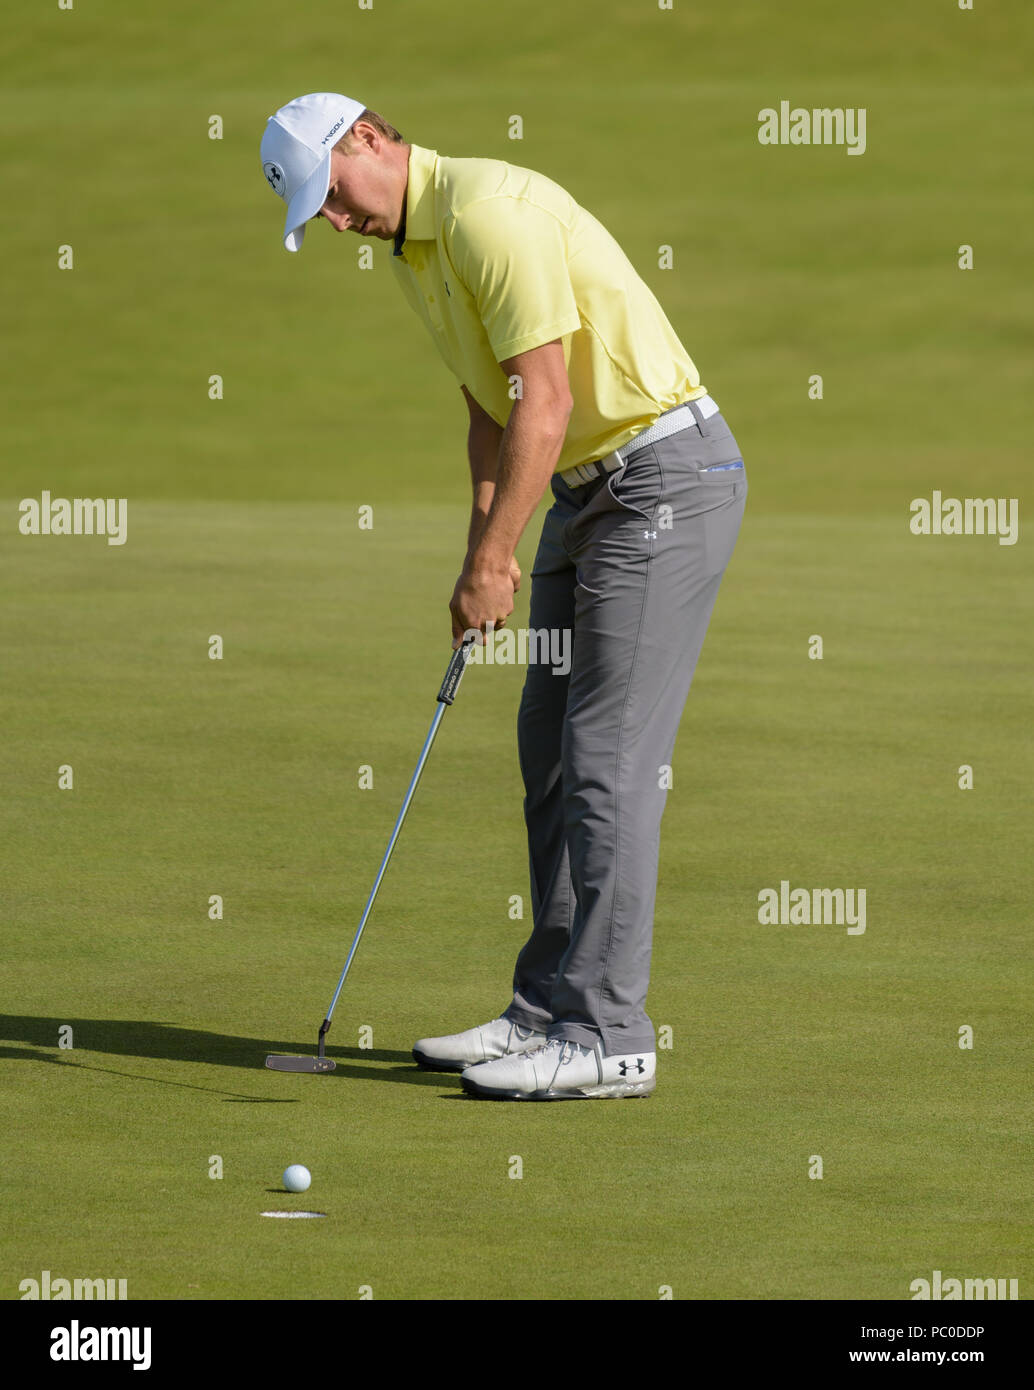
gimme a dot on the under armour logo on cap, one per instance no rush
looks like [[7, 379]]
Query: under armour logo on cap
[[275, 175]]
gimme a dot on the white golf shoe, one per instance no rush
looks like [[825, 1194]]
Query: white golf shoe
[[563, 1070], [488, 1041]]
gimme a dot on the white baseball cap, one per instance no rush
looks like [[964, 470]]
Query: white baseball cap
[[296, 150]]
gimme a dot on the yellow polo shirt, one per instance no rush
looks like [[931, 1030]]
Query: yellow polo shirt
[[497, 260]]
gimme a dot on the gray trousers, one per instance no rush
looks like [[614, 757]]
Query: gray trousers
[[630, 563]]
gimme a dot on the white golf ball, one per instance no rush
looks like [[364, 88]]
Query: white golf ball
[[297, 1178]]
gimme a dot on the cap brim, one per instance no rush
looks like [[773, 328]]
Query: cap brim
[[306, 203]]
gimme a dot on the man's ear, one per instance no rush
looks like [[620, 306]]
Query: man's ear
[[362, 133]]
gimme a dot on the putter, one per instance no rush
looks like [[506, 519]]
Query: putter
[[321, 1062]]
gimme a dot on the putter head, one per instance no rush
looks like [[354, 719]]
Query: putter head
[[310, 1064]]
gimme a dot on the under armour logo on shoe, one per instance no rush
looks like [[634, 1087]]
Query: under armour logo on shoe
[[640, 1066]]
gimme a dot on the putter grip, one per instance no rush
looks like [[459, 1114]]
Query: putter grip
[[454, 674]]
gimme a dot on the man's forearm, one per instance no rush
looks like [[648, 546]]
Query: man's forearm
[[484, 439], [529, 448]]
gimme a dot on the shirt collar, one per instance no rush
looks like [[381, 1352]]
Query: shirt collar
[[418, 213]]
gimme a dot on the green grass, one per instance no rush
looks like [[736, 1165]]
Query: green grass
[[239, 777]]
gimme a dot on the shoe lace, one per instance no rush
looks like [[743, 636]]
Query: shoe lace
[[568, 1049]]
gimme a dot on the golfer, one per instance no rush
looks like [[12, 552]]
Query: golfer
[[574, 380]]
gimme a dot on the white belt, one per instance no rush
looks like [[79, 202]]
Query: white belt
[[680, 417]]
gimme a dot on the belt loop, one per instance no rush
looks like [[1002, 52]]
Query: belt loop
[[698, 417]]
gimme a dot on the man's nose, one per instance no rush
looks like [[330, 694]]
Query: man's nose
[[336, 219]]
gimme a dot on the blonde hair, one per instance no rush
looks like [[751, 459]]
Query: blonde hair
[[379, 124]]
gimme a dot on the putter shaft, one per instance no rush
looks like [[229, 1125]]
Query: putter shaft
[[446, 695]]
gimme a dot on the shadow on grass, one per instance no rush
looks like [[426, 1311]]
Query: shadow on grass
[[145, 1038], [21, 1054]]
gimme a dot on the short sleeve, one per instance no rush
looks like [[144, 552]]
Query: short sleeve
[[512, 257]]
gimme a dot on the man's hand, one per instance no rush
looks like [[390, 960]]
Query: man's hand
[[482, 596], [515, 570]]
